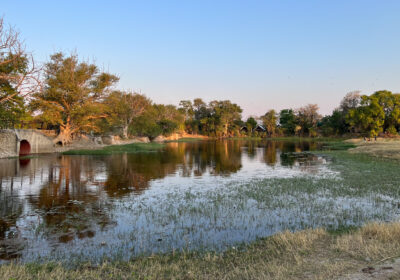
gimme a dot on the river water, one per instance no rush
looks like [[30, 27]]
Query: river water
[[206, 195]]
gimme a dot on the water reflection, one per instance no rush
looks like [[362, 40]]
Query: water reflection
[[61, 199]]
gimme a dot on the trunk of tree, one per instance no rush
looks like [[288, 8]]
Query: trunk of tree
[[226, 129], [125, 131], [65, 136]]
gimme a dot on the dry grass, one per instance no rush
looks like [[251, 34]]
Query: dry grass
[[384, 148], [308, 254], [372, 242]]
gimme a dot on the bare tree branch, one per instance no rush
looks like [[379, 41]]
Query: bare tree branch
[[17, 67]]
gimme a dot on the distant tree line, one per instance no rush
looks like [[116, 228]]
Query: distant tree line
[[73, 96]]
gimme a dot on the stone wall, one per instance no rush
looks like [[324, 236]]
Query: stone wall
[[10, 142]]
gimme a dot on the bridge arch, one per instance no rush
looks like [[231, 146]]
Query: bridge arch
[[24, 148]]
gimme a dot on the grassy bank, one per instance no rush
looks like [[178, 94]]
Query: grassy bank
[[383, 148], [311, 254], [119, 149]]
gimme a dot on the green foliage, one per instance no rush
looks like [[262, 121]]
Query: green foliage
[[379, 112], [122, 107], [13, 67], [158, 120], [369, 117], [307, 119], [251, 123], [146, 125], [269, 121], [287, 121], [218, 118], [73, 95], [334, 124], [12, 112]]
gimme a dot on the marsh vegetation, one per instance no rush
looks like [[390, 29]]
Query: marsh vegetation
[[198, 196]]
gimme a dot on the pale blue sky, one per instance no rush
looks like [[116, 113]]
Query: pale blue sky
[[259, 54]]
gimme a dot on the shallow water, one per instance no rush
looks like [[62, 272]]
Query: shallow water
[[201, 195]]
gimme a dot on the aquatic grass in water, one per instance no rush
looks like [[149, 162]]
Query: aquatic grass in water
[[119, 149], [263, 193]]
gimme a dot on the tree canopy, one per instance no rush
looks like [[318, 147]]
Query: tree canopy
[[73, 95]]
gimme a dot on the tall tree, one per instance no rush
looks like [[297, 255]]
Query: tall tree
[[73, 95], [368, 118], [251, 124], [308, 118], [225, 113], [350, 101], [123, 108], [287, 121], [269, 121], [18, 75]]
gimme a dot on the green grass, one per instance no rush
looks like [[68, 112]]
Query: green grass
[[337, 145], [307, 139], [119, 149], [186, 140]]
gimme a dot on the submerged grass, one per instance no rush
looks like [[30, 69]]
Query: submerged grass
[[119, 149], [311, 254], [337, 145], [307, 254]]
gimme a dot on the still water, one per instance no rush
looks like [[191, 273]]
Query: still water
[[200, 195]]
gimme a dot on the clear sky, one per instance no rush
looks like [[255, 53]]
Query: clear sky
[[259, 54]]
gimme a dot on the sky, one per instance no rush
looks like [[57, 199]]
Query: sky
[[259, 54]]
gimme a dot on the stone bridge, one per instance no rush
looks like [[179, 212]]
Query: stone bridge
[[22, 142]]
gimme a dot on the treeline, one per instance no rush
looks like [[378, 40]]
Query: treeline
[[73, 96]]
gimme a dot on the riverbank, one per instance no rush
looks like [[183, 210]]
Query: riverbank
[[381, 148], [308, 254]]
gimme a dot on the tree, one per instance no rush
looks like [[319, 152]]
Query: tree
[[287, 121], [251, 124], [269, 121], [186, 107], [169, 118], [146, 124], [156, 120], [123, 107], [390, 104], [368, 118], [73, 95], [307, 118], [350, 101], [334, 124], [187, 110], [18, 76], [224, 114]]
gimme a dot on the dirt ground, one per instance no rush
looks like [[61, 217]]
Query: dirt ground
[[386, 270]]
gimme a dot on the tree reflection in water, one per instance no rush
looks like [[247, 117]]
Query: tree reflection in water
[[63, 198]]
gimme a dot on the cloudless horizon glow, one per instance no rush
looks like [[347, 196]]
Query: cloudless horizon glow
[[259, 54]]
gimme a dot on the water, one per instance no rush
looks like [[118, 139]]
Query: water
[[202, 195]]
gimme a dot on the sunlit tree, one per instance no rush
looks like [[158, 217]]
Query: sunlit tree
[[73, 95]]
